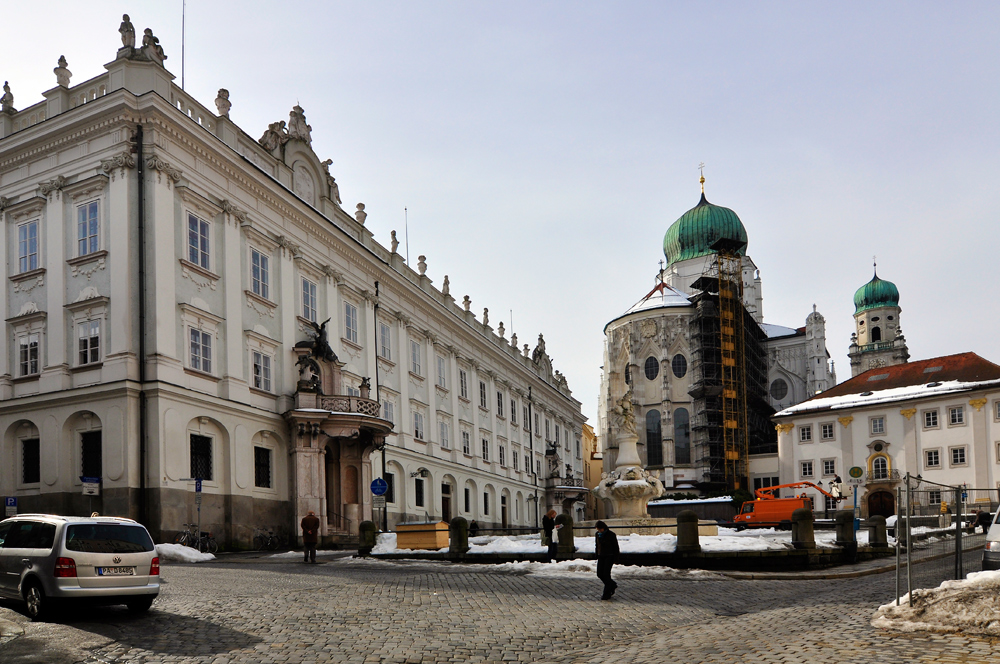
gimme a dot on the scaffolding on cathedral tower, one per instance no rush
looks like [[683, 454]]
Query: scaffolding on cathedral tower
[[729, 365]]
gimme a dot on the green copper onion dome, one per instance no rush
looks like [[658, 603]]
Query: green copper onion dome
[[699, 228], [876, 293]]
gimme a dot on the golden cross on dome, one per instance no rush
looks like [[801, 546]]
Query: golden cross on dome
[[701, 169]]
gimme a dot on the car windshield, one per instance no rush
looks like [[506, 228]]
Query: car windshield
[[107, 538], [747, 508]]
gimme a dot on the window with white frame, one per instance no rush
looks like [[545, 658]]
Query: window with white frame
[[806, 468], [483, 403], [463, 384], [829, 467], [934, 497], [579, 454], [958, 456], [486, 449], [830, 503], [499, 403], [260, 273], [415, 357], [557, 434], [502, 455], [27, 354], [262, 467], [353, 391], [513, 412], [956, 415], [309, 311], [932, 458], [199, 242], [538, 467], [87, 228], [466, 443], [443, 431], [547, 428], [418, 492], [930, 419], [527, 463], [442, 372], [388, 411], [201, 350], [827, 431], [418, 425], [537, 430], [201, 457], [514, 454], [524, 412], [350, 322], [88, 342], [877, 425], [384, 341], [805, 434], [27, 246], [996, 410], [261, 371]]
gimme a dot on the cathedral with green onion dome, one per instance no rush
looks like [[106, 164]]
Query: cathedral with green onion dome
[[877, 340]]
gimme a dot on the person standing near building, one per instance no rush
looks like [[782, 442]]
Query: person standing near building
[[310, 536], [606, 546], [549, 526]]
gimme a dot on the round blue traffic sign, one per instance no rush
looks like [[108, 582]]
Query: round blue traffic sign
[[379, 486]]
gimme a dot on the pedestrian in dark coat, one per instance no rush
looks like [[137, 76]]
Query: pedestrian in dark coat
[[549, 525], [310, 536], [606, 546], [473, 528], [984, 519]]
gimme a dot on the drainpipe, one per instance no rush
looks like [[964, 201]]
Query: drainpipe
[[141, 171]]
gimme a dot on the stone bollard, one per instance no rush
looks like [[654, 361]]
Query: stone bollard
[[802, 529], [845, 527], [458, 536], [876, 532], [366, 538], [565, 535], [687, 533]]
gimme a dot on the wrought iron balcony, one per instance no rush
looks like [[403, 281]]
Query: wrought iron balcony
[[553, 482], [883, 476], [346, 404]]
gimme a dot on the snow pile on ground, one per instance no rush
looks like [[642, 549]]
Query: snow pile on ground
[[578, 566], [955, 606], [386, 543], [298, 554], [181, 554], [517, 544]]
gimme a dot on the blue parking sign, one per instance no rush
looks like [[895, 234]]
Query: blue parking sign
[[10, 501], [197, 486]]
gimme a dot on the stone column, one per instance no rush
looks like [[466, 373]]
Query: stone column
[[121, 354], [161, 262], [55, 374], [230, 264]]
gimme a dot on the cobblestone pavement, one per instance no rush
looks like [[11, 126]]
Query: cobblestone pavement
[[375, 611]]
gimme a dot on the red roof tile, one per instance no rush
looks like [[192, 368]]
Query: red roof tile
[[964, 367]]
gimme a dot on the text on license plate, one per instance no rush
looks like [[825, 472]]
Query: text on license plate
[[116, 571]]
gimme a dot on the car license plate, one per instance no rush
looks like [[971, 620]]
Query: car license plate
[[116, 571]]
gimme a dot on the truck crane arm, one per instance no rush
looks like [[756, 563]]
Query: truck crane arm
[[767, 493]]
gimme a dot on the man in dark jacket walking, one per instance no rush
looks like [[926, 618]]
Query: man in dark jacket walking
[[606, 546], [548, 525], [310, 536]]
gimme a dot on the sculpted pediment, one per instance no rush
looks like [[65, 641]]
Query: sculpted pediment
[[291, 142]]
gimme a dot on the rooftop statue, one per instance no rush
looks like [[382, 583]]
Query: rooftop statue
[[539, 349], [334, 187], [7, 100], [151, 48], [297, 127], [62, 73], [222, 103], [274, 137], [128, 32]]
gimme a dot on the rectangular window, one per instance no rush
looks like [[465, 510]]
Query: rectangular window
[[878, 425], [466, 443], [442, 382], [956, 415], [390, 492], [829, 467], [957, 456], [31, 461], [198, 242], [387, 411], [557, 433], [831, 503], [547, 429], [89, 342], [262, 371], [513, 458], [934, 497], [996, 407], [483, 403], [201, 457], [418, 426], [764, 482], [501, 456], [538, 467], [28, 354], [418, 492], [443, 430], [486, 450], [513, 412], [499, 404], [807, 468], [527, 463], [579, 454], [827, 431], [463, 384], [262, 467], [536, 425], [201, 351], [930, 419], [486, 503], [415, 357], [259, 273], [467, 499], [805, 434], [308, 300], [524, 411], [87, 228], [350, 322], [27, 247], [933, 458], [353, 391], [91, 457], [384, 341]]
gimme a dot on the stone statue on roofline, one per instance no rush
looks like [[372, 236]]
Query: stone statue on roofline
[[539, 349], [127, 31], [297, 127], [7, 100], [274, 137], [63, 74], [334, 187], [151, 49], [222, 103]]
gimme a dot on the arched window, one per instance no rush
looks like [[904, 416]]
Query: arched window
[[876, 334], [880, 468], [654, 439], [679, 365], [682, 436]]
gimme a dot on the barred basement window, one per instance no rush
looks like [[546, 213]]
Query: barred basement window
[[201, 457], [91, 461], [31, 462], [262, 467], [418, 492]]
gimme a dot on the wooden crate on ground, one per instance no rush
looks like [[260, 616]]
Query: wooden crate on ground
[[424, 535]]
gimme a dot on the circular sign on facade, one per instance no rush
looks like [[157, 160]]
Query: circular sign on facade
[[856, 472], [379, 486]]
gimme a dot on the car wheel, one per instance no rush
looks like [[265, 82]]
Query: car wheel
[[139, 605], [36, 601]]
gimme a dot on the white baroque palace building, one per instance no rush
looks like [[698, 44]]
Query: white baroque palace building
[[168, 279]]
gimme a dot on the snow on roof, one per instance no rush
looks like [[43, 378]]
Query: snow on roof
[[934, 377], [662, 295], [772, 330]]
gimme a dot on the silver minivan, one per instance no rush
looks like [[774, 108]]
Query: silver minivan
[[47, 559], [991, 552]]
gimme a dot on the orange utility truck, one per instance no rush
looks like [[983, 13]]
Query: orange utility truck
[[769, 511]]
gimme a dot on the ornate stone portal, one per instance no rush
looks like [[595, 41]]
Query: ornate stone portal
[[628, 487]]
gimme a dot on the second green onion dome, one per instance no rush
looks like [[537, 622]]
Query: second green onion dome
[[699, 228], [876, 293]]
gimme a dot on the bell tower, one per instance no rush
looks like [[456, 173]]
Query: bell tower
[[878, 339]]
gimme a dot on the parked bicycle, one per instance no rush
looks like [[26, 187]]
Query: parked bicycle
[[191, 538], [264, 538]]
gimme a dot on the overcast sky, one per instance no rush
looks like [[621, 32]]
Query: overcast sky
[[544, 148]]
